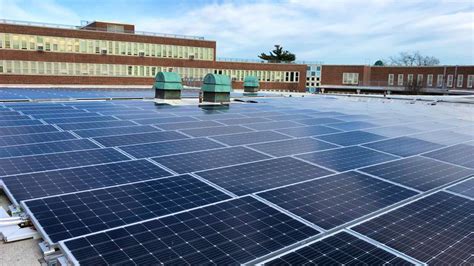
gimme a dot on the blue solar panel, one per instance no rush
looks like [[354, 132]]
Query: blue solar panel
[[240, 121], [339, 249], [138, 115], [185, 125], [13, 123], [307, 131], [351, 138], [218, 116], [289, 117], [72, 115], [344, 159], [36, 185], [163, 120], [443, 137], [465, 188], [352, 125], [214, 131], [404, 146], [102, 132], [335, 200], [70, 120], [419, 173], [292, 146], [130, 139], [318, 121], [250, 137], [52, 111], [197, 161], [392, 131], [13, 117], [253, 177], [47, 147], [36, 163], [355, 117], [65, 216], [89, 125], [228, 233], [7, 131], [13, 140], [273, 125], [170, 147], [461, 154], [436, 230]]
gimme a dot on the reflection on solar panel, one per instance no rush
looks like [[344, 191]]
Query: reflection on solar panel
[[351, 138], [404, 146], [318, 121], [465, 188], [339, 249], [197, 161], [419, 173], [289, 117], [34, 138], [443, 137], [88, 125], [71, 215], [29, 186], [102, 132], [348, 158], [250, 137], [436, 229], [214, 131], [292, 146], [461, 154], [130, 139], [355, 117], [253, 177], [47, 147], [232, 232], [307, 131], [352, 125], [335, 200], [6, 131], [392, 131], [170, 147], [13, 123], [273, 125], [36, 163]]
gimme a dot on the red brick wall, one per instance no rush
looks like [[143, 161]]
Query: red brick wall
[[332, 74]]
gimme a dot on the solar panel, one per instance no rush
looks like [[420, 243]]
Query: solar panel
[[335, 200], [214, 131], [354, 125], [460, 154], [239, 121], [138, 114], [197, 161], [70, 120], [89, 125], [419, 173], [72, 115], [351, 138], [465, 188], [339, 249], [42, 184], [250, 137], [138, 138], [47, 147], [218, 116], [392, 131], [65, 216], [52, 111], [253, 177], [443, 137], [185, 125], [102, 132], [163, 120], [404, 146], [348, 158], [436, 229], [273, 125], [232, 232], [13, 123], [170, 147], [7, 131], [292, 146], [44, 162], [307, 131], [13, 140], [319, 121], [289, 117], [13, 117], [355, 117]]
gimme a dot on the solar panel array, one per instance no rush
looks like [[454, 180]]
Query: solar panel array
[[293, 181]]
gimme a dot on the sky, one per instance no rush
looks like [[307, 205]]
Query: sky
[[328, 31]]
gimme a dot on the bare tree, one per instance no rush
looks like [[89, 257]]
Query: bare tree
[[413, 59]]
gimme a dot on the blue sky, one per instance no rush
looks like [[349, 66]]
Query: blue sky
[[332, 31]]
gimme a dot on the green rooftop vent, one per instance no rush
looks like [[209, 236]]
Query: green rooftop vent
[[251, 85], [216, 88], [168, 86]]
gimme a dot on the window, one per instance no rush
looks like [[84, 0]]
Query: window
[[410, 79], [440, 81], [419, 80], [459, 81], [400, 80], [429, 80], [449, 82], [391, 79], [350, 78], [470, 81]]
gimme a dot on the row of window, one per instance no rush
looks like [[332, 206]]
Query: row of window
[[429, 80], [86, 69], [350, 78], [88, 46]]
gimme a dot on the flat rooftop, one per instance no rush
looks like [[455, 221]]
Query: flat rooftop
[[272, 180]]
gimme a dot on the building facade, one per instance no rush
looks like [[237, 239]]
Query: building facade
[[433, 79], [102, 53]]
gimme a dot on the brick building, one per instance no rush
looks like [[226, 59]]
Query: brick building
[[102, 53]]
